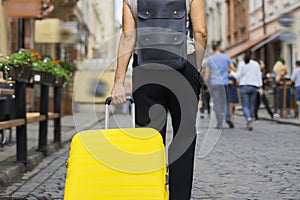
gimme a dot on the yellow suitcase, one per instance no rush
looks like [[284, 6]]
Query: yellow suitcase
[[116, 164]]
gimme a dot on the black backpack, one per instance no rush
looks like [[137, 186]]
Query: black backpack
[[161, 32]]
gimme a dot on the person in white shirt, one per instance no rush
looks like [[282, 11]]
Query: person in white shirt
[[250, 80]]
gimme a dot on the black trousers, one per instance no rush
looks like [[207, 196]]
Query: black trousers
[[205, 96], [158, 92], [265, 101]]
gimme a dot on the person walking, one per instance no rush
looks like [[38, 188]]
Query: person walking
[[250, 80], [263, 98], [216, 75], [158, 89], [233, 94], [205, 99], [295, 78]]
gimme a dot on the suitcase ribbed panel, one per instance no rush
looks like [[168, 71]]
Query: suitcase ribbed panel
[[117, 164]]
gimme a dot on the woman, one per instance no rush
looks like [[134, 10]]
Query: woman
[[181, 168], [263, 97], [250, 80]]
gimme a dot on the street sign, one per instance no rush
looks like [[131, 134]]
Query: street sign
[[286, 19], [287, 36]]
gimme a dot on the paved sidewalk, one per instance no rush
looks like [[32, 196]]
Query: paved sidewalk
[[70, 124]]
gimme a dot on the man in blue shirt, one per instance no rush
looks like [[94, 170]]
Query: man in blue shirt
[[296, 79], [216, 75]]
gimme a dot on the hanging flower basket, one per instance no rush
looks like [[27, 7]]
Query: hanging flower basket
[[44, 78], [20, 73]]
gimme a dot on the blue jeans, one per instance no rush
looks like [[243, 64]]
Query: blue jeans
[[297, 93], [220, 97], [248, 96]]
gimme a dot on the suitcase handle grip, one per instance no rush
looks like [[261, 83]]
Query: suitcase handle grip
[[109, 100], [107, 104]]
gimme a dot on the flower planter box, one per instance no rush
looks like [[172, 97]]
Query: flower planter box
[[59, 82], [45, 78], [20, 73]]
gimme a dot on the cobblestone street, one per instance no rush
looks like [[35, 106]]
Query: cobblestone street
[[262, 164]]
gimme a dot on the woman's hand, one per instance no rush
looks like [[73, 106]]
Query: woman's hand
[[118, 93]]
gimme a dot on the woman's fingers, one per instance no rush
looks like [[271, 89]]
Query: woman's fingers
[[118, 94], [118, 99]]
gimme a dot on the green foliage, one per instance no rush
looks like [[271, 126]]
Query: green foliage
[[23, 57], [4, 66], [46, 56], [281, 60], [32, 59]]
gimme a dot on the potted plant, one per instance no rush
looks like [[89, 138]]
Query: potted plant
[[60, 71], [17, 66], [63, 72], [28, 65]]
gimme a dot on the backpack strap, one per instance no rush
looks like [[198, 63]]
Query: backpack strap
[[189, 29]]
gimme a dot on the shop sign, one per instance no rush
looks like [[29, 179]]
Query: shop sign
[[22, 8], [47, 30], [52, 30], [69, 32]]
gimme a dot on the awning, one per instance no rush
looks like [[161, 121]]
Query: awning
[[266, 41], [251, 44]]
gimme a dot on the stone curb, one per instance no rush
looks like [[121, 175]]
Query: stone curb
[[10, 170], [277, 120]]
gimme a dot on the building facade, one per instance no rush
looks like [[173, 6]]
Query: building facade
[[237, 18], [215, 17], [266, 36], [100, 19]]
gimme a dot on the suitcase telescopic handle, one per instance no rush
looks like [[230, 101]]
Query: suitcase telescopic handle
[[108, 102]]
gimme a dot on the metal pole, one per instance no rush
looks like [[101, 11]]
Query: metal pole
[[21, 33], [57, 109], [264, 31], [264, 17], [43, 129], [57, 103], [106, 125], [20, 91], [21, 131], [133, 114]]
